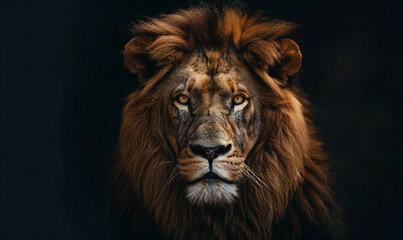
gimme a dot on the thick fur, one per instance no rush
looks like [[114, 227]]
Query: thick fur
[[291, 199]]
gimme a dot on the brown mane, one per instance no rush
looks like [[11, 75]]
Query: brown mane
[[295, 199]]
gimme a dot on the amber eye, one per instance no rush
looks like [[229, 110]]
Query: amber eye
[[182, 99], [238, 99]]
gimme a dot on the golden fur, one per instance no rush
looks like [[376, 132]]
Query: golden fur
[[291, 199]]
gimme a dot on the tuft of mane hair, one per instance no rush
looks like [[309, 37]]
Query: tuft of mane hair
[[294, 201]]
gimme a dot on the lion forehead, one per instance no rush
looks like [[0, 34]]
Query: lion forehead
[[203, 74]]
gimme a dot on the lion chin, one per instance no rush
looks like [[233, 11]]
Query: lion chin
[[211, 191]]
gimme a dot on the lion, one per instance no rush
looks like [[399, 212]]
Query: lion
[[218, 143]]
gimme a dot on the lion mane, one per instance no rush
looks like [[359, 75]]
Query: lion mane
[[293, 198]]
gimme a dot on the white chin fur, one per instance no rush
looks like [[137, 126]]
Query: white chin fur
[[205, 192]]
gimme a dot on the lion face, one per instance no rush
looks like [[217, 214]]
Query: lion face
[[213, 126]]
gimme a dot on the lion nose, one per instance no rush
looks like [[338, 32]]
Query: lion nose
[[210, 153]]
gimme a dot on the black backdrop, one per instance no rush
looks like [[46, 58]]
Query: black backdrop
[[63, 84]]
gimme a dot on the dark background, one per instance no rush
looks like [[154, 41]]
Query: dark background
[[63, 84]]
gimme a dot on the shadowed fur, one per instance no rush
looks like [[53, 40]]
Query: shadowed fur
[[285, 192]]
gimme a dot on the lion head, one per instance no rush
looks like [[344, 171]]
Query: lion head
[[217, 143]]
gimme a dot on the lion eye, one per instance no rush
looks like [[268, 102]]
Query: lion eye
[[238, 99], [182, 99]]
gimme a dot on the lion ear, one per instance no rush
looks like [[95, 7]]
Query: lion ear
[[137, 58], [291, 59]]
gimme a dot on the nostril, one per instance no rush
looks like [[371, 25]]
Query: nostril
[[198, 150], [221, 150]]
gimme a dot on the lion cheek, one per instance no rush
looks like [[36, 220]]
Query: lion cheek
[[192, 170], [231, 169]]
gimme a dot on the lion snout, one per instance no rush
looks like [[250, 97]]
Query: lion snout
[[219, 159]]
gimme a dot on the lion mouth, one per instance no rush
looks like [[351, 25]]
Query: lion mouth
[[210, 178]]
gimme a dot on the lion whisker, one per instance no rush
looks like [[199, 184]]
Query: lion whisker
[[257, 177], [170, 178], [259, 185], [164, 163]]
